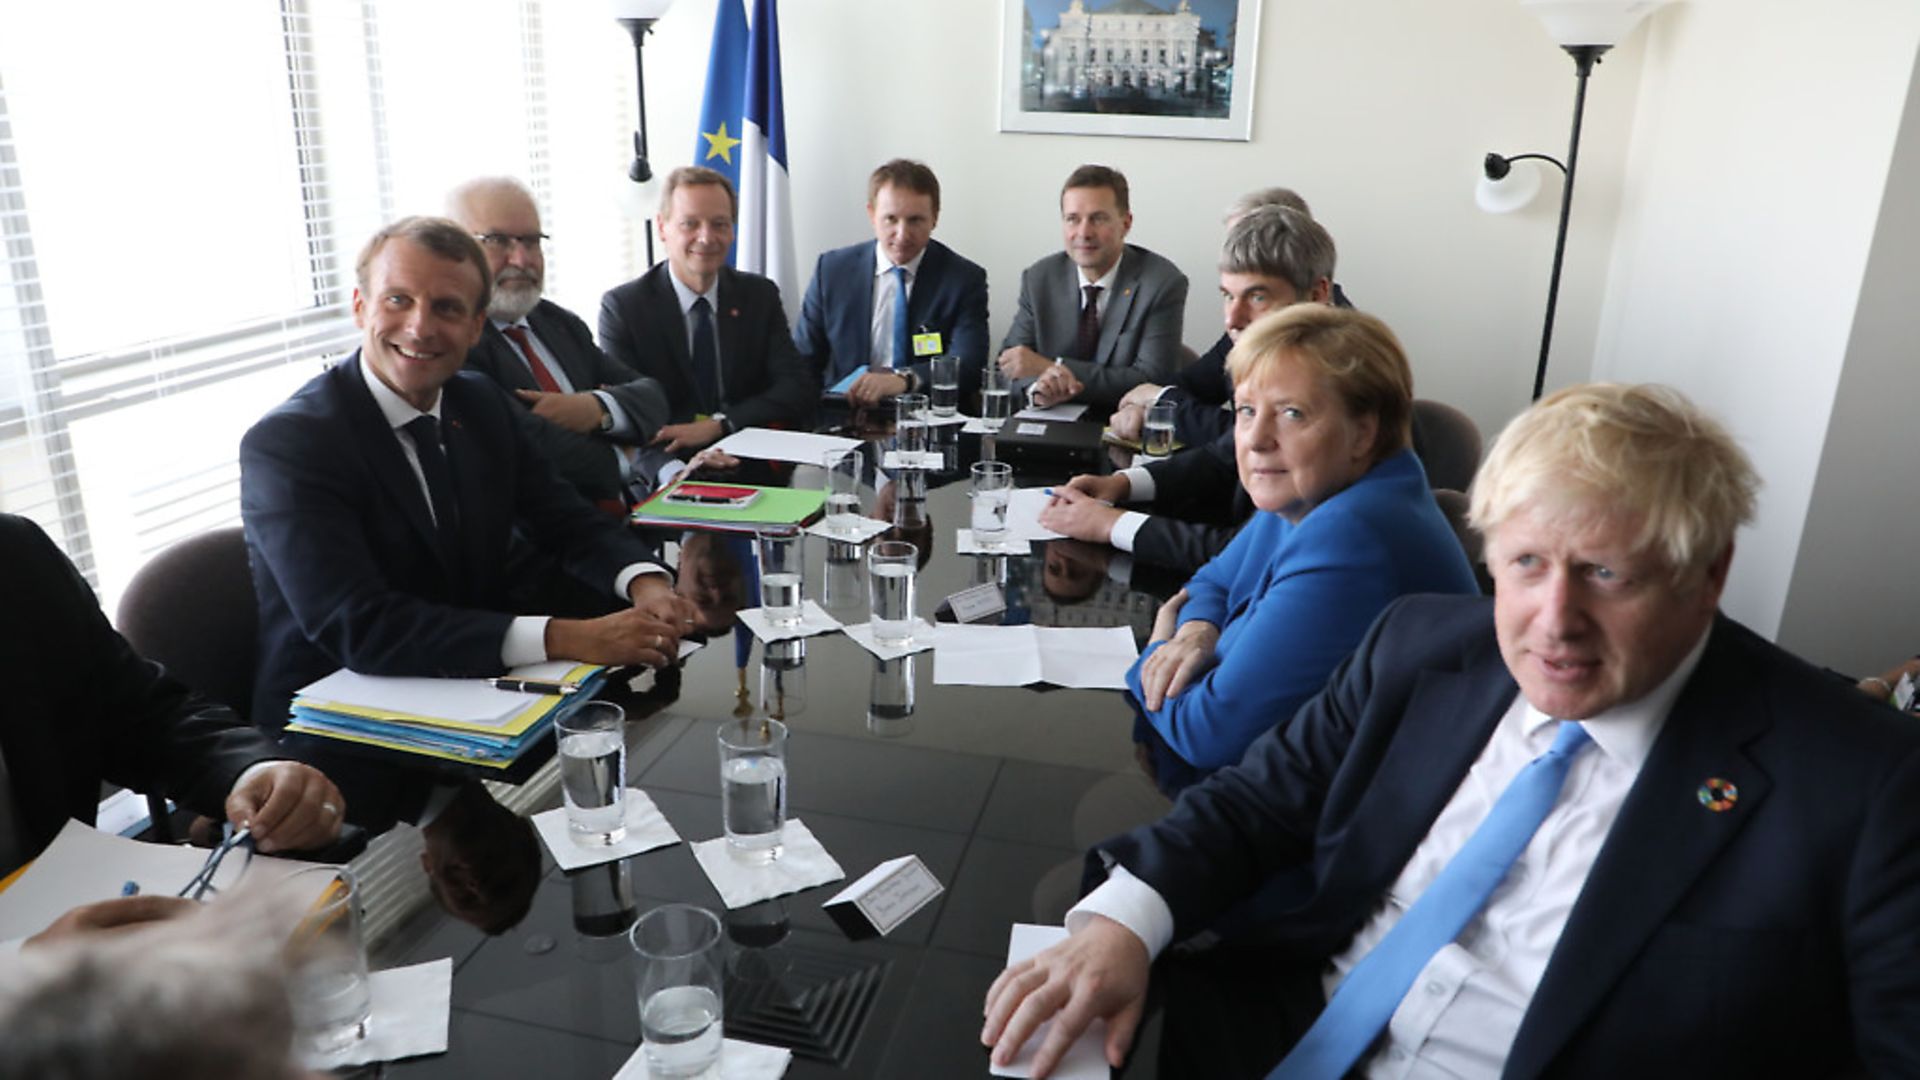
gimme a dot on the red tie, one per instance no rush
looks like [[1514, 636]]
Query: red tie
[[540, 373]]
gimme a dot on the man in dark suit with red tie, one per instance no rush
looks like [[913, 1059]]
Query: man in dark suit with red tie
[[716, 338], [592, 413], [1589, 828]]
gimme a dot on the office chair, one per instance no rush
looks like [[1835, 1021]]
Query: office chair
[[1447, 441]]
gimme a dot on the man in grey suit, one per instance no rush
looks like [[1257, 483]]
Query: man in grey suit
[[1104, 315], [588, 412]]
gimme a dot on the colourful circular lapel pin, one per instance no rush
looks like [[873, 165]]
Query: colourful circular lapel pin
[[1718, 795]]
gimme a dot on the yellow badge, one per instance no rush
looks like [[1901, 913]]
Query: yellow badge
[[926, 345]]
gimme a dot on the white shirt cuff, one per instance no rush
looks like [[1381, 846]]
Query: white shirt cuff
[[1133, 904], [625, 580], [1126, 529], [1140, 484], [526, 641], [622, 426]]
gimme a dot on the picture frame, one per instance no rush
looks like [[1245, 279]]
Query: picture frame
[[1177, 69]]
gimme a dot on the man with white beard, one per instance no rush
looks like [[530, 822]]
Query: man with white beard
[[593, 413]]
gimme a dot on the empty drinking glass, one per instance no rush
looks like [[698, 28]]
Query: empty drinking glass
[[327, 963]]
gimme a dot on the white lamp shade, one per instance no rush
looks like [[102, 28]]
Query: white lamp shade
[[1590, 22], [1510, 192], [638, 9]]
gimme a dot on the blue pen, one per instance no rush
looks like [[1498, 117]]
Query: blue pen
[[131, 888]]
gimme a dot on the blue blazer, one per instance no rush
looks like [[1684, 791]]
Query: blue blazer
[[949, 297], [1776, 938], [346, 567], [1292, 600]]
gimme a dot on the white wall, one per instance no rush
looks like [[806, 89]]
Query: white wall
[[1854, 600], [1378, 111], [1760, 148]]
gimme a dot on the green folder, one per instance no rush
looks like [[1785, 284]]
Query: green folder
[[776, 510]]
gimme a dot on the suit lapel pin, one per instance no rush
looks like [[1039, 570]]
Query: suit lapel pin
[[1718, 795], [733, 313]]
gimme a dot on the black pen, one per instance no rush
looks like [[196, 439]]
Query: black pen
[[533, 686]]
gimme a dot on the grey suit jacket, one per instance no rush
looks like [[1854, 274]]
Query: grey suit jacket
[[588, 462], [1139, 331]]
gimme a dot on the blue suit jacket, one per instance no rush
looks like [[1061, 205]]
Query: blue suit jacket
[[949, 297], [1291, 601], [345, 563], [1774, 939]]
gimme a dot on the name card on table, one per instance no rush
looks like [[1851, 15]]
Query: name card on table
[[977, 602], [884, 897]]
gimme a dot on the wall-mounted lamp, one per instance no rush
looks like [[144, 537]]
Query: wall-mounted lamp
[[1585, 29]]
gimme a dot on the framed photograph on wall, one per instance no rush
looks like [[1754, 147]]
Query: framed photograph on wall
[[1178, 69]]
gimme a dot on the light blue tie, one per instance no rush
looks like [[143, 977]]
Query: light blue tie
[[902, 346], [1366, 999]]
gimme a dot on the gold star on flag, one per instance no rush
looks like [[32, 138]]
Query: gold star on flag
[[719, 145]]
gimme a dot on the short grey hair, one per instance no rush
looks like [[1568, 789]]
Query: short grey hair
[[1273, 196], [198, 998], [1276, 242]]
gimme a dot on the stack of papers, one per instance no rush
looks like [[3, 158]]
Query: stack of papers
[[465, 720], [799, 447]]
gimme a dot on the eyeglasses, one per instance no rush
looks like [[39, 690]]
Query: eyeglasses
[[505, 241], [202, 887]]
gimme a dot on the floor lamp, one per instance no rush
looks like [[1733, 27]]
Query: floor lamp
[[638, 16], [1585, 29]]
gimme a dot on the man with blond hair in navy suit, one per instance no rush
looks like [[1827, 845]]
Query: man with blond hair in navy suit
[[1589, 828]]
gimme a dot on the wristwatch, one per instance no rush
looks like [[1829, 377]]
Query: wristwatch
[[726, 425], [913, 380], [606, 414]]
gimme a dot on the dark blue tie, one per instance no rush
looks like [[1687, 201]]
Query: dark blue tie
[[902, 343], [425, 431], [706, 357], [1367, 998]]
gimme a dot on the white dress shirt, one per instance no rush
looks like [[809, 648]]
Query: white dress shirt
[[1105, 281], [526, 638], [882, 356], [1464, 1008]]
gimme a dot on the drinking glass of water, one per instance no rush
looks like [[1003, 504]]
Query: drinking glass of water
[[996, 397], [681, 977], [753, 787], [780, 577], [327, 961], [593, 772], [946, 385], [891, 566], [843, 489], [992, 490], [910, 423], [1157, 440]]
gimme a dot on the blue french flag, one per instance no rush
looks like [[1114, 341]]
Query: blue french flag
[[743, 134]]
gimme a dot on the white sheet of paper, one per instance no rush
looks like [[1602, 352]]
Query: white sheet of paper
[[1023, 515], [1071, 410], [986, 656], [472, 701], [83, 865], [1086, 1059], [799, 447], [965, 543], [1030, 429], [863, 530], [1095, 658], [1086, 657], [411, 1010], [925, 634], [896, 460]]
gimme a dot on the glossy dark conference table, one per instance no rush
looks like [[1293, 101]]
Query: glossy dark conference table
[[997, 790]]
